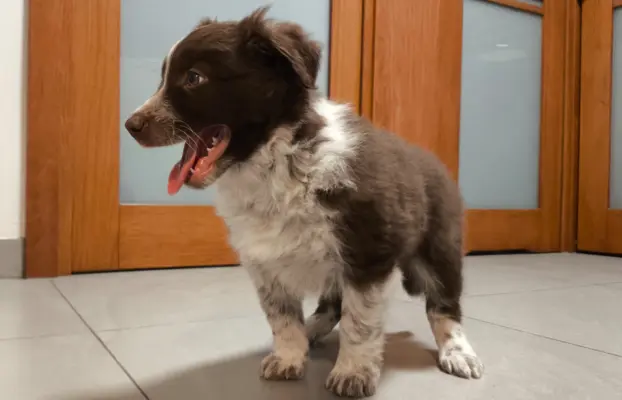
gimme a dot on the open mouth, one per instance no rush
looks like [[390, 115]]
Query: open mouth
[[199, 157]]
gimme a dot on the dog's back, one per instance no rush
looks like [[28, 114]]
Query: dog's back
[[403, 206]]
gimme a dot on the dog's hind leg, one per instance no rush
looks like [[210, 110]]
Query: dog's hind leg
[[326, 315], [441, 252]]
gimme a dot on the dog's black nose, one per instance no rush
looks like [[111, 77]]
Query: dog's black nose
[[135, 124]]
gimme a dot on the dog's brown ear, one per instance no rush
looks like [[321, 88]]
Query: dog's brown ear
[[303, 53], [286, 42]]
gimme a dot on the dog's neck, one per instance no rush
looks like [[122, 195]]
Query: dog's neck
[[297, 160]]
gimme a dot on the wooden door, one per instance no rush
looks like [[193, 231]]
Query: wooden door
[[600, 162], [78, 216], [480, 83]]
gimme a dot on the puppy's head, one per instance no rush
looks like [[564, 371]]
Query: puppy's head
[[224, 88]]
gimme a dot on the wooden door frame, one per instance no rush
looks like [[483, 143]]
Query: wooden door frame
[[72, 145], [570, 149], [445, 29], [600, 228]]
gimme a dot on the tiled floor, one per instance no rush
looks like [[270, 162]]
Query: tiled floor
[[547, 327]]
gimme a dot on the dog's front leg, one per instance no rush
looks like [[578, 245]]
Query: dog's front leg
[[284, 313], [361, 342]]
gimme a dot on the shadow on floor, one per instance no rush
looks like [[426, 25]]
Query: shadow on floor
[[238, 379]]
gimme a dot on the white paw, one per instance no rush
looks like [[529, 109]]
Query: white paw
[[456, 361]]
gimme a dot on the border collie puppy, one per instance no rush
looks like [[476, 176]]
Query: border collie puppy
[[315, 197]]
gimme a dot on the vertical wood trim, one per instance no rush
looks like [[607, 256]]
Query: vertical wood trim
[[614, 233], [405, 70], [417, 73], [367, 68], [449, 66], [570, 169], [552, 123], [346, 49], [72, 202], [96, 135], [49, 124], [595, 124]]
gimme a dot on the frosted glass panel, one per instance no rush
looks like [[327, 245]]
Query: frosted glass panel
[[500, 107], [148, 30], [615, 191]]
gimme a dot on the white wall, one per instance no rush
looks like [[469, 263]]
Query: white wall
[[11, 118]]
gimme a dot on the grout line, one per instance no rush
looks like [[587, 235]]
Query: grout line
[[45, 336], [177, 323], [116, 360], [548, 289], [543, 336], [609, 283]]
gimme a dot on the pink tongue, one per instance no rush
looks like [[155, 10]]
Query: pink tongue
[[179, 173]]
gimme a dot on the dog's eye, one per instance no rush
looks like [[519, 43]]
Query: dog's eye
[[193, 78]]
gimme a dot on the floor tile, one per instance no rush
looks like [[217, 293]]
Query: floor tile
[[75, 367], [220, 360], [524, 272], [496, 274], [586, 316], [144, 298], [616, 286], [30, 308]]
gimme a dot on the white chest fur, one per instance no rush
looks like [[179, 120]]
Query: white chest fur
[[275, 221], [297, 246]]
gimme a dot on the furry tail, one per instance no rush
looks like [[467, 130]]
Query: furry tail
[[410, 280], [418, 278]]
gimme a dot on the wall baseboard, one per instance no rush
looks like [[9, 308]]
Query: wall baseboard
[[12, 258]]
